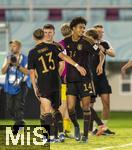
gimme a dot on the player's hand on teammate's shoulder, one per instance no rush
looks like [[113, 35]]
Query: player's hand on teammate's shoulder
[[81, 70]]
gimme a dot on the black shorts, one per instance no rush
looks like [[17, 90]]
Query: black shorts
[[80, 89], [102, 86], [55, 99]]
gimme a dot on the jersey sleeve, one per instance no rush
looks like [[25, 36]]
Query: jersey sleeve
[[31, 61], [91, 47], [59, 49], [106, 45]]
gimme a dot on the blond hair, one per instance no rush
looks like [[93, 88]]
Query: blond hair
[[98, 26], [93, 33], [18, 43], [65, 29]]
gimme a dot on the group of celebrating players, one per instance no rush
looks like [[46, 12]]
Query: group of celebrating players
[[68, 72]]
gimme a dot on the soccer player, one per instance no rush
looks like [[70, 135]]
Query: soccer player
[[102, 85], [92, 33], [49, 32], [125, 67], [44, 60], [65, 31], [80, 49]]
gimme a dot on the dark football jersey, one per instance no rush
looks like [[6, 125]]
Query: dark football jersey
[[80, 51], [44, 59], [95, 58]]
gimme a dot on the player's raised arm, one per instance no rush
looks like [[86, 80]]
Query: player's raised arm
[[73, 63], [111, 52], [108, 50], [125, 67]]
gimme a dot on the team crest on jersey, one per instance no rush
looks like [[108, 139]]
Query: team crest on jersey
[[79, 47], [68, 46]]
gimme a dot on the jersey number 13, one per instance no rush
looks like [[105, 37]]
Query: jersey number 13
[[50, 65]]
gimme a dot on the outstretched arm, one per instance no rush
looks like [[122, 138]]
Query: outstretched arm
[[73, 63], [110, 52], [125, 67], [61, 67]]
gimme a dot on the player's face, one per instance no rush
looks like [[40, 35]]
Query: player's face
[[15, 48], [49, 35], [101, 32], [79, 29]]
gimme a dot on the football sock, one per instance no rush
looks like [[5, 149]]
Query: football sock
[[58, 122], [47, 123], [67, 124], [95, 117], [87, 117], [73, 118]]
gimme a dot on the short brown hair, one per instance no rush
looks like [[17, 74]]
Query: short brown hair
[[49, 26], [65, 29], [93, 33], [38, 34]]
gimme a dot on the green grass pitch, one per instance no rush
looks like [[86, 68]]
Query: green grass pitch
[[120, 122]]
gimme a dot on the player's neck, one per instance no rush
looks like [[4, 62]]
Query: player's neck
[[38, 42], [49, 42], [75, 37]]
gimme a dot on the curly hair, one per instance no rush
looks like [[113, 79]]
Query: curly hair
[[76, 21]]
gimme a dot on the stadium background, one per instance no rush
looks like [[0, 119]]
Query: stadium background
[[19, 18]]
